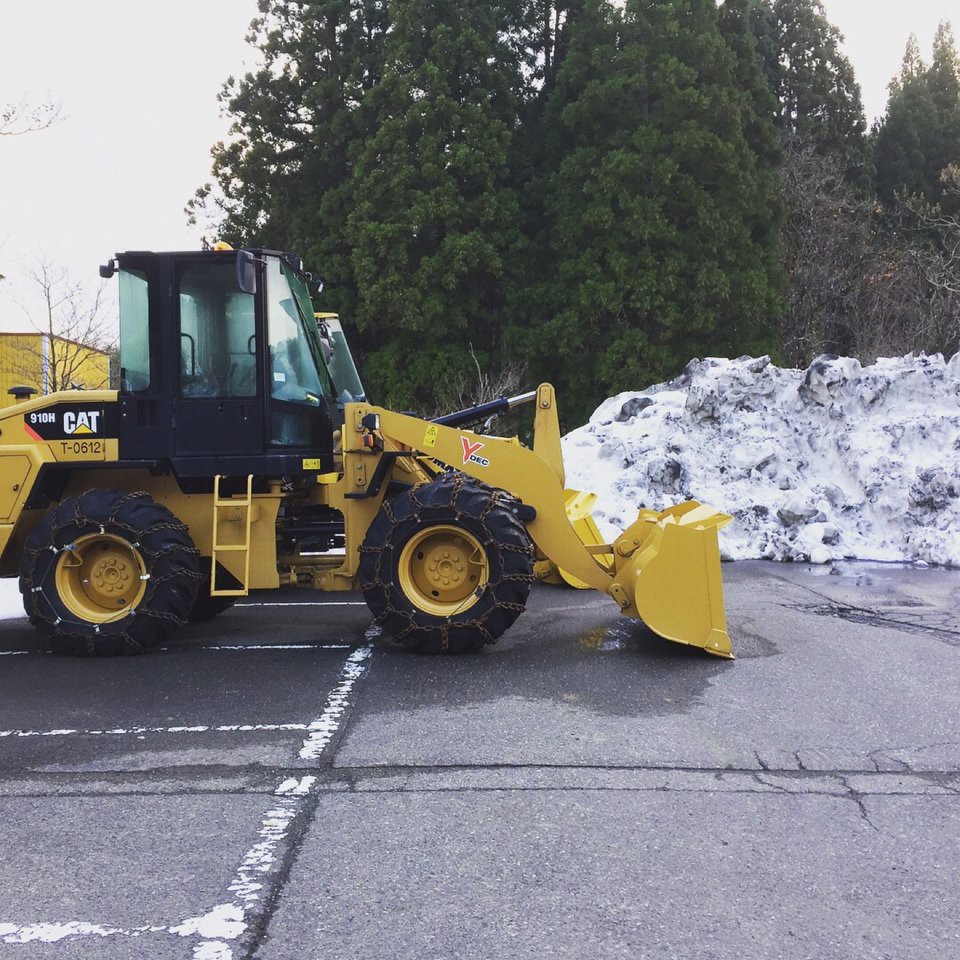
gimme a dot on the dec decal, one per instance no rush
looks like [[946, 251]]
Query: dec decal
[[471, 451]]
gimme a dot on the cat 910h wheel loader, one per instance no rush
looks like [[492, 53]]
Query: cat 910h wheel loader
[[241, 453]]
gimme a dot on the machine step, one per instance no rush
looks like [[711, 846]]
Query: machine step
[[243, 506]]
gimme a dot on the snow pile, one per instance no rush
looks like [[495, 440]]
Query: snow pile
[[838, 461], [11, 602]]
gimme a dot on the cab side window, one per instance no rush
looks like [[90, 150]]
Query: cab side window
[[135, 328], [217, 334]]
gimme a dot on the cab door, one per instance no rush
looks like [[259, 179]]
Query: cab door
[[218, 404]]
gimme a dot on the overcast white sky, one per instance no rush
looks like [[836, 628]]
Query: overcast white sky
[[138, 80]]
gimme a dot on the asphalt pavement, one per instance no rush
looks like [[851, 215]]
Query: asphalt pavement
[[283, 783]]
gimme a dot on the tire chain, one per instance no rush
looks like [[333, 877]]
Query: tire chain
[[53, 618], [497, 498]]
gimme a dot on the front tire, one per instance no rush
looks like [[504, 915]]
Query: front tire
[[108, 573], [446, 567]]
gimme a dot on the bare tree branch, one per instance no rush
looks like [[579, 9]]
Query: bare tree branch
[[940, 255], [488, 385], [19, 118], [861, 285], [75, 326]]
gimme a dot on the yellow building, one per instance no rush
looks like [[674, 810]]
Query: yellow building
[[49, 364]]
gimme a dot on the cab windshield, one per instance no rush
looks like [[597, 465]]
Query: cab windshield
[[298, 373], [334, 353], [343, 370]]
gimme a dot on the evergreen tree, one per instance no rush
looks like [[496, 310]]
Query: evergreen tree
[[655, 242], [818, 99], [435, 220], [590, 104], [750, 77], [757, 118], [945, 75], [548, 40], [919, 135], [282, 180]]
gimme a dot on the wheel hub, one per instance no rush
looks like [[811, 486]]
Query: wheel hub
[[442, 568], [100, 576], [448, 567]]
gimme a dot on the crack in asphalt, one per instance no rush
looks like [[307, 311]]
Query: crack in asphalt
[[849, 793], [871, 618], [331, 779], [857, 797], [884, 753], [258, 928], [863, 615]]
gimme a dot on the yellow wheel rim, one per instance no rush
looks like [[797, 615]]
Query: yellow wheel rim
[[442, 569], [100, 577]]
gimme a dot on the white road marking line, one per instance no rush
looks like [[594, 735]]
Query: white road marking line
[[276, 646], [212, 950], [325, 726], [259, 861], [54, 932], [304, 603], [215, 646], [126, 731], [225, 921], [273, 828]]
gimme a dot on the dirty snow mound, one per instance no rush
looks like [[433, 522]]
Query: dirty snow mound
[[838, 461]]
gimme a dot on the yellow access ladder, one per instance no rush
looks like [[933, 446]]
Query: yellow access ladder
[[243, 506]]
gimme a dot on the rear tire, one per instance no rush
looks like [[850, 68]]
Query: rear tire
[[108, 573], [446, 567], [206, 607]]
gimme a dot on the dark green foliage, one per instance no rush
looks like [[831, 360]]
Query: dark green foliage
[[284, 178], [659, 236], [818, 98], [435, 218], [825, 177], [751, 78], [591, 190], [919, 136]]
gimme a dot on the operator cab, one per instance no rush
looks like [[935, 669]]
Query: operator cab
[[224, 366]]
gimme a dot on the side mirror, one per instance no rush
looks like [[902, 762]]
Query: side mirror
[[315, 286], [246, 271]]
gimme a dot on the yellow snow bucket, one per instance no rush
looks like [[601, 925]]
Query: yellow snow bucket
[[672, 580]]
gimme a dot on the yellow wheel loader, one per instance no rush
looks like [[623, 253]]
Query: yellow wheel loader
[[241, 453]]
